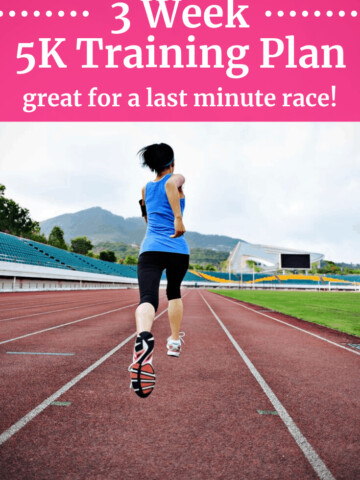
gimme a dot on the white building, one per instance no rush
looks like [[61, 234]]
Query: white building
[[265, 256]]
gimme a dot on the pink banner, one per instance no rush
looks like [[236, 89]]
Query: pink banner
[[179, 60]]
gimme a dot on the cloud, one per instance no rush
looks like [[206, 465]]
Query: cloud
[[357, 228]]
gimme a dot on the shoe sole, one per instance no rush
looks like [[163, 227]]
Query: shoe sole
[[173, 354], [142, 379]]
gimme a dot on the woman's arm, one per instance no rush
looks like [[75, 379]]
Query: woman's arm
[[178, 179], [172, 187], [143, 201]]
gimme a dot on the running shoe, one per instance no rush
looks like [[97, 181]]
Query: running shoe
[[142, 375], [174, 346]]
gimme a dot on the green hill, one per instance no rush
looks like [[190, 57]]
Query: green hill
[[100, 226]]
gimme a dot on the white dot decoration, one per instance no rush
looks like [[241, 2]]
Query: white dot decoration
[[268, 13]]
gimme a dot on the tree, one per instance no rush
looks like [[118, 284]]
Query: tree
[[81, 245], [107, 256], [210, 268], [330, 267], [250, 263], [56, 238], [37, 236], [224, 266], [120, 249], [314, 268], [207, 256], [15, 219], [130, 260], [253, 266]]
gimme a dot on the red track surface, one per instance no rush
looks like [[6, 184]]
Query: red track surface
[[201, 421]]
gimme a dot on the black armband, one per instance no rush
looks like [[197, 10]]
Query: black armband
[[143, 208]]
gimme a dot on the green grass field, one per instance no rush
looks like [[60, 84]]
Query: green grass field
[[338, 310]]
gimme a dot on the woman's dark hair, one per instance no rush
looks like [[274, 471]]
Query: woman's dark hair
[[157, 156]]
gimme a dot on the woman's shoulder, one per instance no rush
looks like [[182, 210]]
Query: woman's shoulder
[[177, 178]]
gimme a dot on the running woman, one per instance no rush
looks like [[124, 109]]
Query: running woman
[[163, 248]]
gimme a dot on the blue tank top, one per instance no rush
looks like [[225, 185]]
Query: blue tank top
[[161, 221]]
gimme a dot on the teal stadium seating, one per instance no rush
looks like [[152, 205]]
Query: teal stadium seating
[[21, 250], [191, 277]]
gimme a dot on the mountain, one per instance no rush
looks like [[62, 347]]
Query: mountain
[[100, 225]]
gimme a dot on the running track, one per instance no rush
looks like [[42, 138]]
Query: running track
[[201, 421]]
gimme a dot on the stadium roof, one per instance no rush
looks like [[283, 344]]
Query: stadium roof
[[267, 256]]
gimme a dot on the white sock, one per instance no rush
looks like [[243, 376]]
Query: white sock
[[174, 341]]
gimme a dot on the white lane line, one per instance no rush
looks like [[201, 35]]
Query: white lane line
[[18, 305], [289, 325], [40, 353], [36, 300], [33, 413], [69, 323], [68, 299], [313, 458], [35, 306], [23, 306], [56, 311]]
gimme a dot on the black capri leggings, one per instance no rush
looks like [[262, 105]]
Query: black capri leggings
[[150, 268]]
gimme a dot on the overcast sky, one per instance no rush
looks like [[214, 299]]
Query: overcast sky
[[295, 185]]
